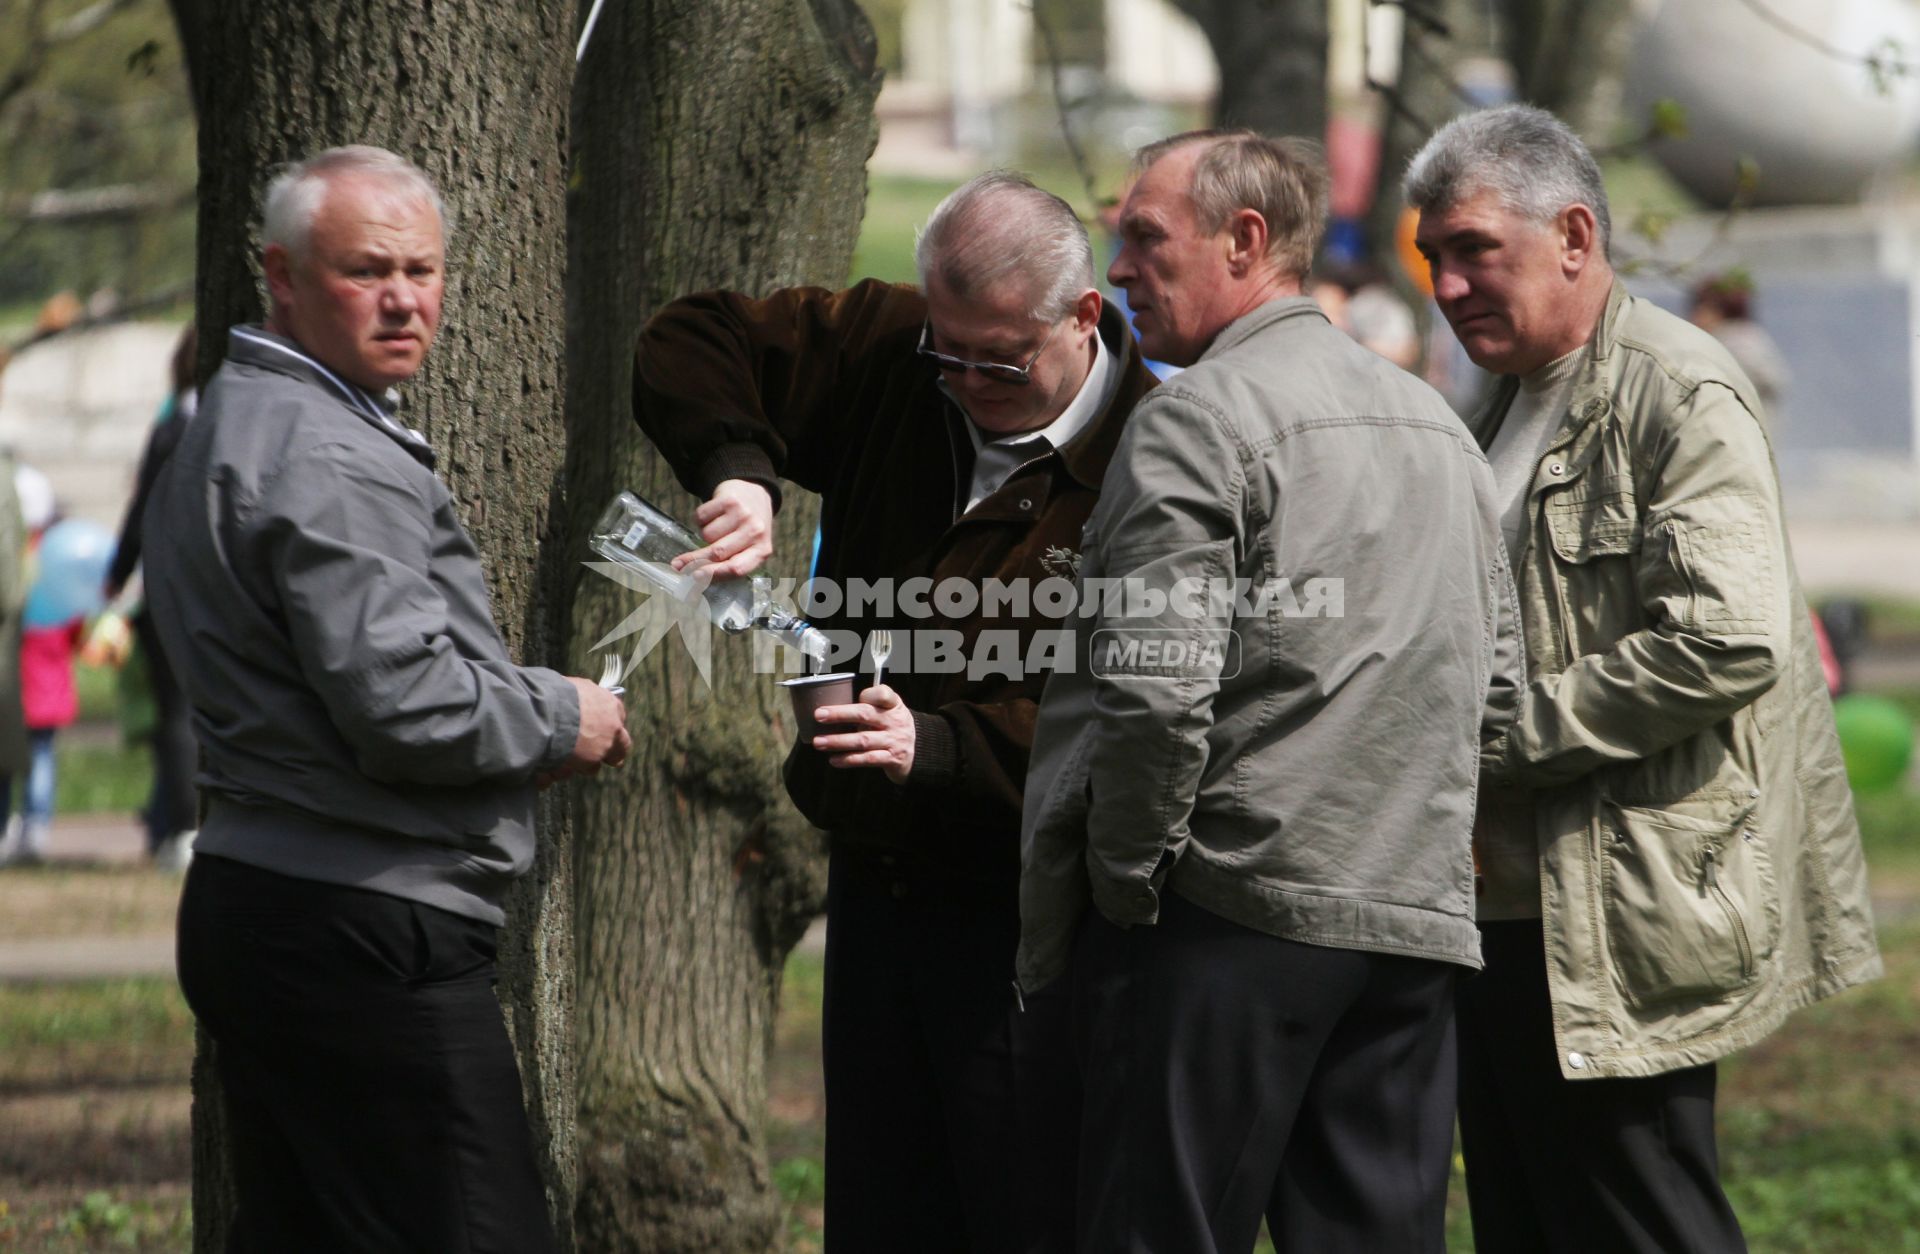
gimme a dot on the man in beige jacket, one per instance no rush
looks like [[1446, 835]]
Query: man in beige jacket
[[1668, 853]]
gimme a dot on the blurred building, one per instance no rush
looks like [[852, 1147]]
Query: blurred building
[[78, 408], [963, 95]]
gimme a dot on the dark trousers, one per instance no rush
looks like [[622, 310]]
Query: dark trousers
[[1558, 1166], [372, 1092], [951, 1113], [1229, 1074]]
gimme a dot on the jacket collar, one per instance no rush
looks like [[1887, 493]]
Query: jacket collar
[[256, 346], [1086, 456], [1256, 320], [1592, 392]]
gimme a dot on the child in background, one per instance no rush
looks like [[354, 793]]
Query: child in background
[[48, 698], [48, 702]]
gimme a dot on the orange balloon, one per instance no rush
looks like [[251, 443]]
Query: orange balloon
[[1409, 257]]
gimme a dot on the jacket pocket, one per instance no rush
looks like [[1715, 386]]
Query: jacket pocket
[[1595, 521], [1685, 904]]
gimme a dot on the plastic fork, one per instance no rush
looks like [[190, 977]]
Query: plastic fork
[[880, 645], [610, 668]]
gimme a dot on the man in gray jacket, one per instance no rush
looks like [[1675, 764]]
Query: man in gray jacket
[[371, 752], [1260, 772]]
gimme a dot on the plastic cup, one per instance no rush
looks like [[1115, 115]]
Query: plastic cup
[[810, 692]]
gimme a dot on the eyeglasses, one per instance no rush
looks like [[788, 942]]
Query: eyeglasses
[[999, 372]]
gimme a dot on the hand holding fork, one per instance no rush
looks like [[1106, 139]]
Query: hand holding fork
[[880, 645]]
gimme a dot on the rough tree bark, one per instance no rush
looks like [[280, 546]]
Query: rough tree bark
[[1272, 57], [475, 91], [1423, 99], [1567, 57], [718, 143]]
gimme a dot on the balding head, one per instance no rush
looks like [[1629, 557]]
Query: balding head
[[998, 226]]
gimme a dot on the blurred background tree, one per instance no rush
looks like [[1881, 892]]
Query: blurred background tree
[[97, 164]]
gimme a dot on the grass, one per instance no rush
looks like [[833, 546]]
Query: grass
[[104, 1032], [896, 206], [57, 901], [1820, 1123], [94, 1139], [100, 778]]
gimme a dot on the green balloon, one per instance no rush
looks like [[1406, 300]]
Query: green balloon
[[1876, 739]]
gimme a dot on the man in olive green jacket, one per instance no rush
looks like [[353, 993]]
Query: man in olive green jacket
[[1669, 858]]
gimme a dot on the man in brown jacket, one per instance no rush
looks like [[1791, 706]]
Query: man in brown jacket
[[957, 439]]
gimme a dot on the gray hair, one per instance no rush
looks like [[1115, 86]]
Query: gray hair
[[1530, 160], [297, 192], [999, 225], [1284, 180]]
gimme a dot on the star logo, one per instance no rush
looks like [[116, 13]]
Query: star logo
[[656, 618]]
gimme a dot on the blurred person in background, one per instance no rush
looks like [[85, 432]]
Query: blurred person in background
[[13, 597], [1382, 323], [172, 808], [49, 700], [1723, 307], [1359, 302]]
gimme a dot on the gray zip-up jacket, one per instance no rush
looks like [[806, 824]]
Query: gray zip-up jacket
[[1301, 756], [360, 720]]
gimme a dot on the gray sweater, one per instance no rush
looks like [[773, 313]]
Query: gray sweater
[[360, 720]]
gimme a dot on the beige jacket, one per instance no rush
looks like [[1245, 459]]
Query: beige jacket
[[1701, 873]]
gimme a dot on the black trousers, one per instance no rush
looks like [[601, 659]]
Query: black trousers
[[1230, 1074], [373, 1096], [951, 1113], [1558, 1166]]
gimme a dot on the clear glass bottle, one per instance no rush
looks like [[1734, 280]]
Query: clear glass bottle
[[644, 539]]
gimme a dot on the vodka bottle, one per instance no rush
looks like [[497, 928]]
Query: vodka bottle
[[644, 539]]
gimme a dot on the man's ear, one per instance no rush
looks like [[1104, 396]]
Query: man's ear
[[278, 265], [1579, 239], [1246, 241], [1086, 311]]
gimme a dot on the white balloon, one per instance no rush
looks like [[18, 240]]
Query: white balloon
[[1819, 127]]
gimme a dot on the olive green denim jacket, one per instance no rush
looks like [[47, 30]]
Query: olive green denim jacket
[[1701, 873], [1314, 779]]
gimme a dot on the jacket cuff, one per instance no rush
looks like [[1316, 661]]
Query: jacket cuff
[[1495, 757], [936, 752], [564, 702], [1126, 903], [739, 461]]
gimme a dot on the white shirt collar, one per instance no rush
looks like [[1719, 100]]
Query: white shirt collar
[[995, 461]]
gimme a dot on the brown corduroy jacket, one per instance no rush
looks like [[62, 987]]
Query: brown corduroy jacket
[[823, 389]]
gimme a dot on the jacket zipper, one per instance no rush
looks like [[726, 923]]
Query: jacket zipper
[[1741, 939]]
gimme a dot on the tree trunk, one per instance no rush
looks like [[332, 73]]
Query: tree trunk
[[1567, 57], [1425, 98], [474, 91], [718, 144], [1272, 56]]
